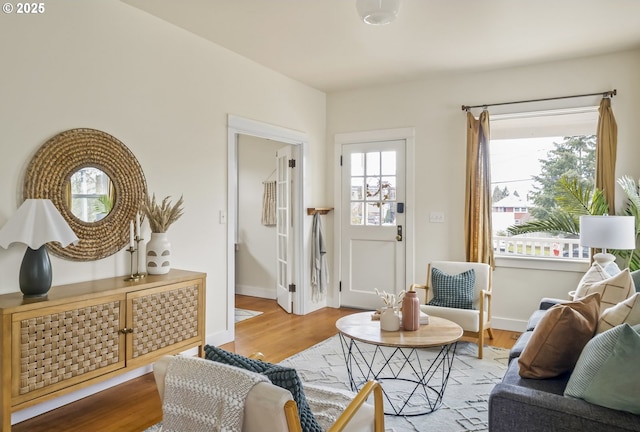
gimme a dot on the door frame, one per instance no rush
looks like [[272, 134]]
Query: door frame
[[242, 126], [408, 136]]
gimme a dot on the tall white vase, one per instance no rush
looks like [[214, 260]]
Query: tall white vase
[[158, 254]]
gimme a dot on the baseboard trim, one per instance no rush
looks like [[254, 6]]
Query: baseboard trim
[[255, 291], [219, 338], [509, 324]]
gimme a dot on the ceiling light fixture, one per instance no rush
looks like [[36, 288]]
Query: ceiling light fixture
[[378, 12]]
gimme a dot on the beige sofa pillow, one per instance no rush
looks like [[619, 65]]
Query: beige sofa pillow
[[613, 290], [558, 339], [627, 311], [596, 273]]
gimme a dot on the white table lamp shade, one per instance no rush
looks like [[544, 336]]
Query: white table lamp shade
[[608, 232], [35, 223]]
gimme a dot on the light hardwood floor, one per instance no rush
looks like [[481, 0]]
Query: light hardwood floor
[[135, 405]]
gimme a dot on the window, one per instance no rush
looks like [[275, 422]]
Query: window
[[373, 188], [530, 152]]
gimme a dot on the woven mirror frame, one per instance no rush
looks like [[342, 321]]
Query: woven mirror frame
[[50, 171]]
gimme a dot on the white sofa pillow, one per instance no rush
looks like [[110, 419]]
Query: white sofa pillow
[[612, 289]]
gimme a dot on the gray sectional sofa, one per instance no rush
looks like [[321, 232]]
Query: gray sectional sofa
[[538, 405]]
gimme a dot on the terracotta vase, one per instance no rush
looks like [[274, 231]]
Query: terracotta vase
[[158, 254], [410, 311]]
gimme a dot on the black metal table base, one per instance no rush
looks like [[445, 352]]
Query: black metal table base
[[411, 385]]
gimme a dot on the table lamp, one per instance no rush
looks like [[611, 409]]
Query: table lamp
[[36, 222], [607, 232]]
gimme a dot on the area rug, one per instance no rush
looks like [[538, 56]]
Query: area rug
[[245, 314], [465, 402]]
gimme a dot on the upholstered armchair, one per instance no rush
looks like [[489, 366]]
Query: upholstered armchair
[[460, 292], [268, 407]]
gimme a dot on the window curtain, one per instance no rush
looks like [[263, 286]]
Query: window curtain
[[478, 230], [606, 148]]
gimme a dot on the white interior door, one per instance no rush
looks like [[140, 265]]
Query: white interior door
[[373, 221], [284, 244]]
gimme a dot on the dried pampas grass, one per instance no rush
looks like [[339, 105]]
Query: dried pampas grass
[[161, 216]]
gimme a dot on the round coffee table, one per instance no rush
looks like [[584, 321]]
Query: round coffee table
[[413, 380]]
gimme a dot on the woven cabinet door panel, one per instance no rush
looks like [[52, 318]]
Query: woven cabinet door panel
[[60, 346], [165, 319]]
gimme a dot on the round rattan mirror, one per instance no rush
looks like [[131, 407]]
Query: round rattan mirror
[[49, 175]]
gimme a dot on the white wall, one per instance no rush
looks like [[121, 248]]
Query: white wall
[[433, 106], [166, 94], [256, 253]]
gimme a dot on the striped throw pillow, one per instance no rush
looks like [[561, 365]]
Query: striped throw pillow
[[606, 373]]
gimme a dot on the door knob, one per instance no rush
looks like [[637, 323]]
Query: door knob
[[399, 233]]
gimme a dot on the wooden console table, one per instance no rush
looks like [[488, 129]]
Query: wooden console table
[[84, 333]]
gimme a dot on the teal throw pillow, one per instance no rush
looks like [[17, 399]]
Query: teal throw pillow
[[606, 373], [284, 377], [453, 291]]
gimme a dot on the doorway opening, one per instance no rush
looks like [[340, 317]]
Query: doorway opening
[[265, 264], [242, 130]]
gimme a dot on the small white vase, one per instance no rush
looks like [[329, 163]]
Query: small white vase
[[389, 320], [158, 254]]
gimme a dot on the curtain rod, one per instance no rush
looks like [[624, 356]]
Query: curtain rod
[[609, 93]]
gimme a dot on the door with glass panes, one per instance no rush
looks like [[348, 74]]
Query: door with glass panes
[[373, 221]]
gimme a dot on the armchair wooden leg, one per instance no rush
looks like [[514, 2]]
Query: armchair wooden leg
[[490, 331], [480, 344]]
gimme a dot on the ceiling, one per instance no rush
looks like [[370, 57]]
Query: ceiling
[[323, 44]]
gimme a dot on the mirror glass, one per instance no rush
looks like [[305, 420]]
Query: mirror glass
[[91, 194]]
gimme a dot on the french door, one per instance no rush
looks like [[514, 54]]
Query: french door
[[284, 244]]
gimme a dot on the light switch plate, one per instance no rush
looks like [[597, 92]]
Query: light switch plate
[[436, 217]]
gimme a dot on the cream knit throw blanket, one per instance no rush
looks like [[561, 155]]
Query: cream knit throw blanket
[[203, 395]]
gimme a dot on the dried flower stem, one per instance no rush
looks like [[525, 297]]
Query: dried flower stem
[[161, 216], [390, 299]]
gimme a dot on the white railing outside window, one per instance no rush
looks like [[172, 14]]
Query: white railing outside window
[[540, 247]]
